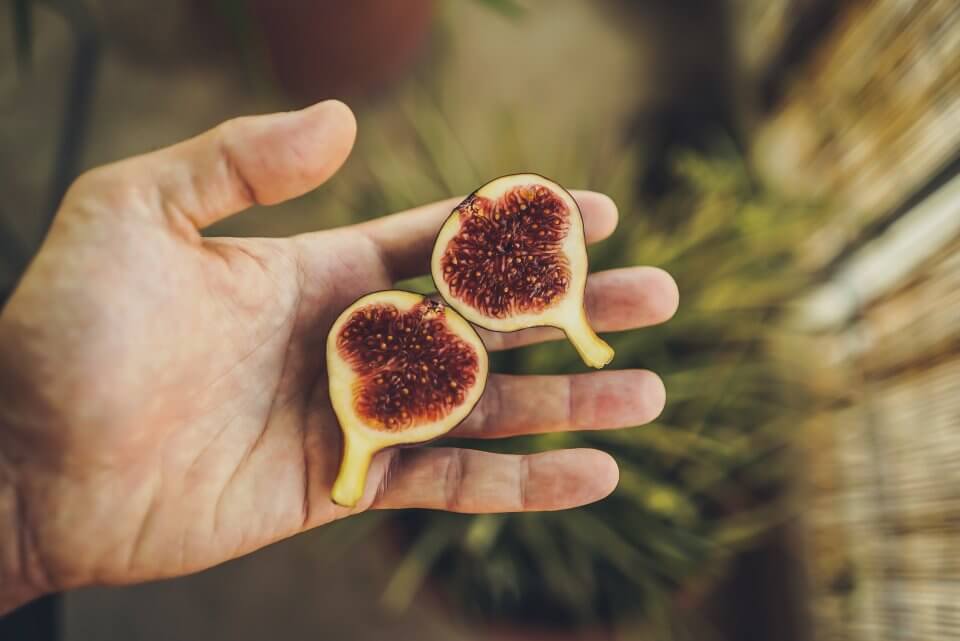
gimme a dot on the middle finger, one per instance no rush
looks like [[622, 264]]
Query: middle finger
[[519, 405]]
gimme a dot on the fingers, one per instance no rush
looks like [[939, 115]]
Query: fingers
[[616, 300], [516, 405], [242, 162], [406, 239], [471, 481]]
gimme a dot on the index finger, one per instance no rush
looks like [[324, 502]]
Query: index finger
[[405, 240]]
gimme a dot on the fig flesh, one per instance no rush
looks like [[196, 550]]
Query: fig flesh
[[512, 255], [402, 369]]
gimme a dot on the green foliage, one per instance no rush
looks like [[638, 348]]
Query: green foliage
[[700, 482], [509, 8]]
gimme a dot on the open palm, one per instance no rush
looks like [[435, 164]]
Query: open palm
[[164, 402]]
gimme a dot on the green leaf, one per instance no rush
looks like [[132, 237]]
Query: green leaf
[[509, 8], [731, 411], [414, 567]]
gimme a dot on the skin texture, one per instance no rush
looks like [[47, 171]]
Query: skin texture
[[163, 405]]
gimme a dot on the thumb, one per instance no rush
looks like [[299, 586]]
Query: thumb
[[251, 160]]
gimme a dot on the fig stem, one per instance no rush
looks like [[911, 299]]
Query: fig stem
[[594, 351], [352, 477]]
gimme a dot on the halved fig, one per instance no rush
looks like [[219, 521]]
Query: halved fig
[[513, 255], [403, 369]]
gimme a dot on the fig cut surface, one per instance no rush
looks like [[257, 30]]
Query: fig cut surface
[[512, 255], [402, 369]]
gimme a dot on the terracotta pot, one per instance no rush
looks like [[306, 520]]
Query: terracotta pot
[[396, 540], [519, 633], [695, 599], [325, 48]]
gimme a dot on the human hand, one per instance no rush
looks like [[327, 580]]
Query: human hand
[[163, 404]]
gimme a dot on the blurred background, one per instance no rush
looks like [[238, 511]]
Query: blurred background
[[792, 162]]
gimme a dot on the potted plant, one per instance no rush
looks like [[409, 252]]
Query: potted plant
[[696, 485], [321, 49], [310, 50]]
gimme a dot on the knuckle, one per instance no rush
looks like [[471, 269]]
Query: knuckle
[[228, 132], [523, 482], [492, 409], [227, 137], [453, 480]]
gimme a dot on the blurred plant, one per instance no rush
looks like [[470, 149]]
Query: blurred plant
[[704, 479], [700, 482], [22, 24], [509, 8]]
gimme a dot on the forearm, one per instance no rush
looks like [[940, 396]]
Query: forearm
[[16, 587]]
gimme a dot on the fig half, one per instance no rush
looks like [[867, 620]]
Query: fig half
[[403, 369], [512, 255]]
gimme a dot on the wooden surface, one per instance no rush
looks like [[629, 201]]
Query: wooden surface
[[882, 468], [870, 117], [870, 124]]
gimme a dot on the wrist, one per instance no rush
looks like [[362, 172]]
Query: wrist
[[17, 584]]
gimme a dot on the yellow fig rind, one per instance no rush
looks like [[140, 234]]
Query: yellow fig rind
[[594, 351], [361, 441], [352, 478]]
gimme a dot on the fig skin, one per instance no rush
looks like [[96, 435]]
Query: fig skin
[[364, 436], [565, 311]]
